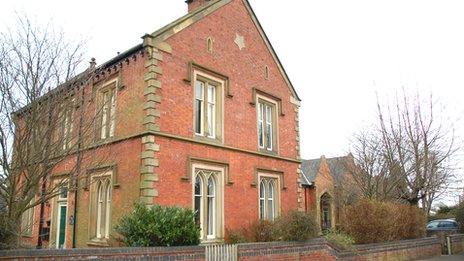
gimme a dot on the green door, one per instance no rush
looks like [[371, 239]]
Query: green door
[[62, 227]]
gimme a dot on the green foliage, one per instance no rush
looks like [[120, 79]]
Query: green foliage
[[297, 226], [459, 211], [158, 226], [444, 212], [340, 239], [372, 221]]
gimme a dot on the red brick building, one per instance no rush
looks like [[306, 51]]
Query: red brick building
[[327, 185], [201, 115]]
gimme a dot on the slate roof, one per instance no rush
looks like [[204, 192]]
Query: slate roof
[[338, 167], [310, 169]]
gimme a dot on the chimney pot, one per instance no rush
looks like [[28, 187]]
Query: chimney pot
[[195, 4], [93, 63]]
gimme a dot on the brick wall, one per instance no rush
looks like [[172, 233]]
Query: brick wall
[[457, 243], [316, 249]]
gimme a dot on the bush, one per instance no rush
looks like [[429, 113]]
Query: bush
[[237, 236], [158, 226], [372, 221], [297, 226], [264, 231], [459, 212], [340, 239], [293, 226]]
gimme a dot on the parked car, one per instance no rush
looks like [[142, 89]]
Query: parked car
[[450, 226]]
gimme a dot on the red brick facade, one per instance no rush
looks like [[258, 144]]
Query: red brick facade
[[154, 144]]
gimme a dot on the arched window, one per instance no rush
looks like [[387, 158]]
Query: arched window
[[198, 198], [211, 205], [268, 198], [101, 188], [107, 209], [207, 210], [262, 199], [99, 208]]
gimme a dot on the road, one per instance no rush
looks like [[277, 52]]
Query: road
[[459, 257]]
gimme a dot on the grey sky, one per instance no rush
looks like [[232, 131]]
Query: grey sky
[[336, 52]]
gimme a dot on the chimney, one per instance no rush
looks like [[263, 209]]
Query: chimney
[[195, 4]]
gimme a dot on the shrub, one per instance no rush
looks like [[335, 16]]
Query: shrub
[[237, 236], [340, 239], [264, 231], [297, 226], [292, 226], [158, 226], [459, 212], [374, 221]]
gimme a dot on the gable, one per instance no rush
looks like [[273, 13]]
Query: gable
[[189, 19]]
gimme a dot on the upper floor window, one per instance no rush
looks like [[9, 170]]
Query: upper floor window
[[267, 138], [108, 111], [67, 123], [208, 114], [27, 221]]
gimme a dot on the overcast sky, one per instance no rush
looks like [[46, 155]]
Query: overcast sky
[[337, 53]]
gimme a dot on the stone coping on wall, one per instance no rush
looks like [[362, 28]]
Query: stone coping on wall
[[457, 237], [247, 250]]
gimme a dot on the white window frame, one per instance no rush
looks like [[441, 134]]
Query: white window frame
[[263, 102], [219, 84], [218, 206], [108, 109], [103, 183], [276, 200], [68, 124]]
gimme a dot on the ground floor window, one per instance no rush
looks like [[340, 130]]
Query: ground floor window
[[100, 206], [268, 197], [27, 221], [207, 200]]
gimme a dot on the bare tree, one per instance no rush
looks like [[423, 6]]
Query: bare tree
[[409, 154], [44, 120]]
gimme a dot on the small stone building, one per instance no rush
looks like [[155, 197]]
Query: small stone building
[[325, 182]]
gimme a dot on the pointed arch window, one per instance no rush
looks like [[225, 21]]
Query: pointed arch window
[[268, 201], [100, 207], [207, 203]]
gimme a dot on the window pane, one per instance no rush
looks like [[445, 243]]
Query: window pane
[[262, 198], [268, 127], [199, 90], [112, 111], [99, 209], [211, 207], [271, 208], [261, 125], [107, 209], [197, 202], [211, 93], [104, 115], [199, 86], [211, 110]]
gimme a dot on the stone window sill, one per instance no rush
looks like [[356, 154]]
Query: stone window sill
[[98, 242]]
